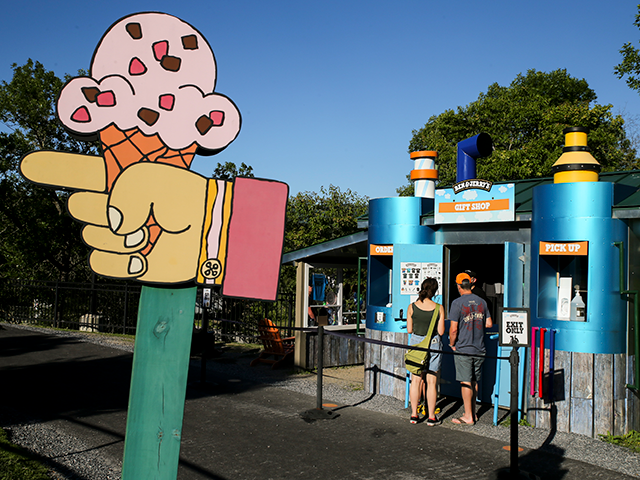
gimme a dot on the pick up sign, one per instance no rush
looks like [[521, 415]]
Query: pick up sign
[[564, 248]]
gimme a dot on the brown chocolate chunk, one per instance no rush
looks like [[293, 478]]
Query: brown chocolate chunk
[[90, 93], [204, 124], [134, 30], [148, 116], [190, 42], [171, 63]]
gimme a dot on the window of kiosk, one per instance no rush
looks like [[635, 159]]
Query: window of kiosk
[[562, 287], [380, 280]]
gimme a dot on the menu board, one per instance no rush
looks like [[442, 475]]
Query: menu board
[[413, 273]]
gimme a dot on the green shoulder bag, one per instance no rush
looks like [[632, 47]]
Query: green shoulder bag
[[417, 361]]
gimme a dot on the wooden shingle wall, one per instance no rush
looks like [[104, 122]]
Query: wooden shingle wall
[[385, 372], [338, 351], [590, 396]]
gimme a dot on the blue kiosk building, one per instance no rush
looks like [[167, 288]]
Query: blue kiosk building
[[569, 251]]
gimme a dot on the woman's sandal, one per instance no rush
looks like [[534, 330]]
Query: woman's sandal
[[414, 420]]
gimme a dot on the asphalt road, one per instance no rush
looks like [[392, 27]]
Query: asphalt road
[[239, 428]]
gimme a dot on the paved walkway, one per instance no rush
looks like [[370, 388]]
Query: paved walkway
[[241, 425]]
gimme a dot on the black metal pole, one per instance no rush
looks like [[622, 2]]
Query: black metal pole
[[290, 314], [94, 298], [319, 413], [204, 334], [320, 365], [126, 301], [514, 359], [358, 297], [55, 308]]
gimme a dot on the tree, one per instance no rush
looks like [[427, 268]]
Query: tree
[[630, 65], [525, 121], [314, 218], [229, 171], [406, 190], [38, 240]]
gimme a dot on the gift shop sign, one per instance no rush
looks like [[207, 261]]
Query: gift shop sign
[[564, 248], [488, 205], [475, 205]]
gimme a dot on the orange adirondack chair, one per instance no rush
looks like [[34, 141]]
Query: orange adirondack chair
[[274, 345]]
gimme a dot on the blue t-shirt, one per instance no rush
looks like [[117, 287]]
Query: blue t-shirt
[[471, 312]]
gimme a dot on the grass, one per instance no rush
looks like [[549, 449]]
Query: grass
[[301, 371], [130, 338], [17, 464], [242, 346], [121, 336], [631, 440], [523, 422]]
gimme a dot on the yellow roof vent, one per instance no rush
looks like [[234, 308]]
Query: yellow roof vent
[[576, 164]]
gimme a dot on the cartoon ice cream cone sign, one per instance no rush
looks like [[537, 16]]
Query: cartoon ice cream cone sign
[[150, 101]]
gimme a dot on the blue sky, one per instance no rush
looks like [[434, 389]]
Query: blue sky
[[330, 91]]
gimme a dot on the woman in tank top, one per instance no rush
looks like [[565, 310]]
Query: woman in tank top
[[419, 315]]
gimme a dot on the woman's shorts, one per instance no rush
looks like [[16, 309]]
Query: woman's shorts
[[435, 358], [468, 369]]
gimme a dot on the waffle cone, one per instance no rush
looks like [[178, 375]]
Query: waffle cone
[[122, 148]]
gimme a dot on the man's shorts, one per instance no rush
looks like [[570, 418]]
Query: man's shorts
[[468, 369], [435, 358]]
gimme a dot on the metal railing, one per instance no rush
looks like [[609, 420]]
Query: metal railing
[[235, 320], [96, 306], [112, 307]]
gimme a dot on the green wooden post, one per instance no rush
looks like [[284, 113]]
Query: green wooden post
[[158, 383]]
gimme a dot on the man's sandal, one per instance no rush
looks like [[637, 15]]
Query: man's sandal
[[460, 421]]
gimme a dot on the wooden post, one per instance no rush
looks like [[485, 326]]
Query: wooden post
[[158, 383], [302, 311]]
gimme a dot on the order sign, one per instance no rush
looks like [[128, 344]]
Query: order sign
[[514, 327]]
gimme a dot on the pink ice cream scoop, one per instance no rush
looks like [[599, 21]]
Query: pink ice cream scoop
[[154, 74]]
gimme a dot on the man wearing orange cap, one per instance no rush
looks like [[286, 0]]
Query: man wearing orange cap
[[469, 315], [476, 288]]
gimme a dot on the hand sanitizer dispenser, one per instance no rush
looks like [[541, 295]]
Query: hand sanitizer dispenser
[[577, 307], [564, 298]]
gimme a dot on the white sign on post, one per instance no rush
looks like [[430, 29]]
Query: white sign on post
[[206, 297], [514, 327]]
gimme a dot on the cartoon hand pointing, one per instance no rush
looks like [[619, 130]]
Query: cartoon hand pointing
[[164, 224]]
